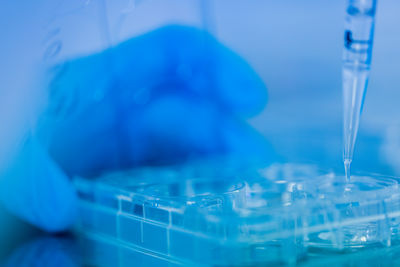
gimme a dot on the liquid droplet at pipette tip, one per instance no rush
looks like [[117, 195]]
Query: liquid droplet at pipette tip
[[347, 163]]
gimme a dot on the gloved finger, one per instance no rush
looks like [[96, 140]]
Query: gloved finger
[[177, 128], [37, 190], [193, 57], [166, 130], [91, 95], [140, 67]]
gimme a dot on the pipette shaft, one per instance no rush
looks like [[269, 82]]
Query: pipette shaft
[[358, 40]]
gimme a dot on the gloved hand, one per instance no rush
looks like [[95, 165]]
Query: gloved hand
[[159, 98]]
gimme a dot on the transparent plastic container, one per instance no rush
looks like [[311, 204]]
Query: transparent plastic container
[[69, 30], [282, 214]]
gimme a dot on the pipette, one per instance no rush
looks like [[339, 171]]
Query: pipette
[[358, 39]]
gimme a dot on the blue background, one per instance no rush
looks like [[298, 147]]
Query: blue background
[[295, 46]]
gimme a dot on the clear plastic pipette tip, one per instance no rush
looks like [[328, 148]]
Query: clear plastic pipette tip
[[355, 80], [358, 39]]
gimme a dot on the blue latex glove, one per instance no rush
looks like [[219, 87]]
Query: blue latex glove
[[163, 97], [62, 251]]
